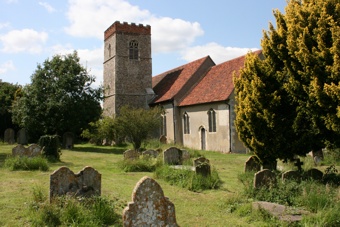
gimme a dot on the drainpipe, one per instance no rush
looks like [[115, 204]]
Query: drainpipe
[[229, 115]]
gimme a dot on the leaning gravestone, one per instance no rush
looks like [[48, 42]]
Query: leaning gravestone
[[264, 178], [68, 140], [22, 137], [9, 136], [149, 206], [291, 175], [314, 174], [252, 164], [172, 156], [151, 153], [86, 183], [202, 166], [19, 150], [131, 154]]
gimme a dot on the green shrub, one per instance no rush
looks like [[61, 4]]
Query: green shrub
[[26, 163], [186, 178], [51, 147], [143, 164]]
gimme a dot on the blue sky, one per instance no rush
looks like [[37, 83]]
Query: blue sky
[[32, 31]]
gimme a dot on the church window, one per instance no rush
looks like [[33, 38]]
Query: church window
[[109, 49], [163, 125], [133, 50], [212, 120], [186, 123]]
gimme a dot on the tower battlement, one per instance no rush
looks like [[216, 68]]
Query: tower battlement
[[127, 28]]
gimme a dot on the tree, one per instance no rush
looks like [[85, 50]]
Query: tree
[[7, 96], [137, 124], [59, 99], [288, 103], [101, 130]]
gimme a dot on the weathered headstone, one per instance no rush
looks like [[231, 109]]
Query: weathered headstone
[[202, 166], [22, 137], [318, 153], [172, 156], [150, 153], [314, 174], [163, 139], [9, 136], [32, 151], [131, 154], [86, 183], [149, 206], [68, 140], [298, 164], [19, 150], [291, 175], [264, 178], [252, 164]]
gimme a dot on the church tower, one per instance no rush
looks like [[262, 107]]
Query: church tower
[[127, 67]]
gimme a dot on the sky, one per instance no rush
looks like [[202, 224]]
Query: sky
[[32, 31]]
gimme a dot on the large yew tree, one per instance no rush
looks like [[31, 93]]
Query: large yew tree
[[289, 102], [60, 98]]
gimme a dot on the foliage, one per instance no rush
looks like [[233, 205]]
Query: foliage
[[101, 130], [137, 124], [26, 163], [69, 211], [59, 99], [288, 103], [7, 96], [143, 164], [51, 147], [186, 178]]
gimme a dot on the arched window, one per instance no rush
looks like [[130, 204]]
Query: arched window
[[212, 120], [186, 123], [133, 50], [163, 125]]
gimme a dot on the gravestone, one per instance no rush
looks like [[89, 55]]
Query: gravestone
[[149, 206], [291, 175], [150, 153], [314, 174], [298, 164], [252, 164], [9, 136], [32, 151], [202, 166], [86, 183], [318, 154], [131, 154], [172, 156], [22, 137], [68, 140], [185, 155], [163, 139], [264, 178]]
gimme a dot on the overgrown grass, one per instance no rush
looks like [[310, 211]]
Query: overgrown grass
[[143, 164], [69, 211], [26, 163]]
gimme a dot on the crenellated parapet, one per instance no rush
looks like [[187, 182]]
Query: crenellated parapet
[[125, 27]]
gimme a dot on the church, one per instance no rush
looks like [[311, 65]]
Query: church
[[198, 97]]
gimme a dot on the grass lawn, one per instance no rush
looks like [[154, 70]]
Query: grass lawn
[[208, 208]]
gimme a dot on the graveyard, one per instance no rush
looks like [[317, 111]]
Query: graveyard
[[225, 206]]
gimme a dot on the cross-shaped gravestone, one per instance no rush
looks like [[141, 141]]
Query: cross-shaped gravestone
[[298, 164]]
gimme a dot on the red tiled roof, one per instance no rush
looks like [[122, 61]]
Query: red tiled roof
[[216, 85], [168, 84]]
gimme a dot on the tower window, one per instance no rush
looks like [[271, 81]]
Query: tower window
[[133, 50], [212, 120], [109, 49], [163, 125], [186, 123]]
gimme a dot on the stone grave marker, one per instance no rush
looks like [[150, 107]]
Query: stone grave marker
[[318, 154], [163, 139], [264, 178], [9, 136], [22, 137], [149, 206], [291, 175], [19, 150], [172, 156], [298, 164], [314, 174], [32, 151], [252, 164], [202, 166], [131, 154], [86, 183], [151, 153], [68, 140]]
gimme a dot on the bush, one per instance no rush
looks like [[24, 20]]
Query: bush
[[143, 164], [51, 147], [26, 163]]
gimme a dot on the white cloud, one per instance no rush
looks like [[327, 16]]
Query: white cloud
[[7, 66], [217, 52], [25, 40], [92, 17], [4, 25], [47, 6]]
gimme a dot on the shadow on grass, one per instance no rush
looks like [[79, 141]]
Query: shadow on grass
[[2, 159], [96, 149]]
